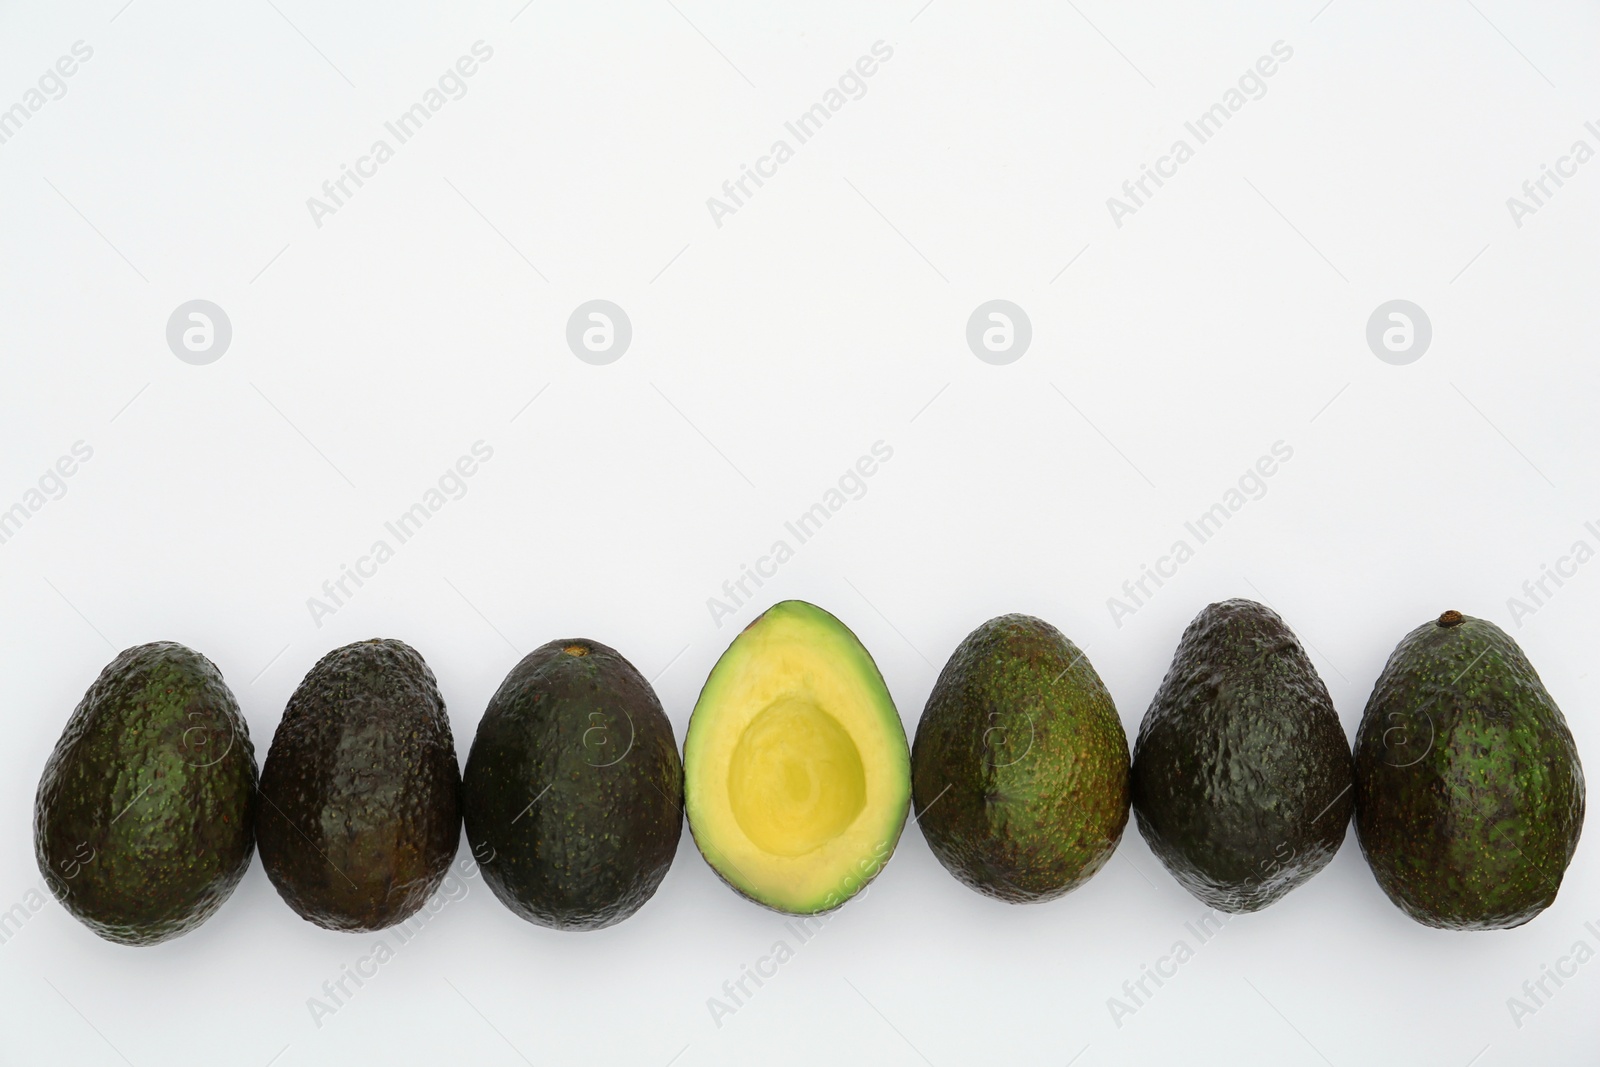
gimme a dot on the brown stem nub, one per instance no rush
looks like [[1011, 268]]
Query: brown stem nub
[[1451, 618]]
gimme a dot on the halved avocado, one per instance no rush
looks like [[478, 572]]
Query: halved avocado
[[797, 776]]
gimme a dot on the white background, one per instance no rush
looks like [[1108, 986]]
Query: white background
[[768, 355]]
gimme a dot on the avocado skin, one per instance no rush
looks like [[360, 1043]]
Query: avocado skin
[[1241, 772], [143, 822], [573, 794], [1469, 792], [360, 812], [1019, 770]]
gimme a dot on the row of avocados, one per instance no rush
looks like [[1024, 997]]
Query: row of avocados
[[796, 778]]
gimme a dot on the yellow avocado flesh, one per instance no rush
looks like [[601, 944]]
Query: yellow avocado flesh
[[795, 780], [796, 768]]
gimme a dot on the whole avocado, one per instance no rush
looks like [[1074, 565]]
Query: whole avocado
[[360, 794], [1469, 792], [143, 822], [573, 792], [1241, 772], [1019, 771]]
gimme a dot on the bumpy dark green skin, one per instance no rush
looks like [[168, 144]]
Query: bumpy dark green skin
[[1469, 793], [1241, 773], [573, 795], [1019, 770], [360, 794], [143, 823]]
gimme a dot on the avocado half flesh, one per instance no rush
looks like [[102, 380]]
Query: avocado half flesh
[[1469, 793], [1241, 773], [144, 821], [573, 793], [796, 771], [1020, 767], [360, 792]]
